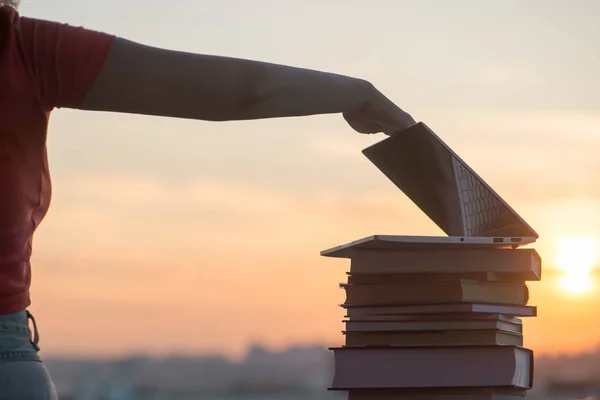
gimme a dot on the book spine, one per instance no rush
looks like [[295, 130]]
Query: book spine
[[525, 262]]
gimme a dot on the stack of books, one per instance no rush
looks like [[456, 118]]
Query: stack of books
[[436, 322]]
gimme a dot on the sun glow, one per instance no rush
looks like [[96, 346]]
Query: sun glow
[[576, 283], [576, 256]]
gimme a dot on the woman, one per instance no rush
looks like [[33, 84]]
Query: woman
[[44, 65]]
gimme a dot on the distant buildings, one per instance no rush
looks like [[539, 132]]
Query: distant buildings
[[300, 373], [296, 372]]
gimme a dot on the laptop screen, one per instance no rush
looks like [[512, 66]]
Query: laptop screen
[[420, 164]]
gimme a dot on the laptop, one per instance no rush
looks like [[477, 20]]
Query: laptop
[[447, 190]]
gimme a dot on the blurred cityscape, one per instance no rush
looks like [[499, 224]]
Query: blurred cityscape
[[292, 374], [296, 373]]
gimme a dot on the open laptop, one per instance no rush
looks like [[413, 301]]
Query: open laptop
[[439, 182]]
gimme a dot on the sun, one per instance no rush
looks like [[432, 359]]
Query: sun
[[576, 256], [576, 283]]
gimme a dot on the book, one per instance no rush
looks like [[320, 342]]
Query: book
[[457, 291], [434, 338], [439, 317], [394, 326], [432, 367], [438, 394], [364, 278], [357, 312], [525, 263]]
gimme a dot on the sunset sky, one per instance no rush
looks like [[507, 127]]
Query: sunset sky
[[170, 235]]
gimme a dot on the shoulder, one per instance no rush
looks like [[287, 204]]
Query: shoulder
[[62, 60]]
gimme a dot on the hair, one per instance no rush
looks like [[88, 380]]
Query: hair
[[11, 3]]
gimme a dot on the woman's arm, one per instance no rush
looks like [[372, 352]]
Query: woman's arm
[[145, 80]]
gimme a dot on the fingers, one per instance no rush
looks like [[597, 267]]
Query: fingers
[[367, 125], [379, 114], [407, 122], [392, 117], [361, 126]]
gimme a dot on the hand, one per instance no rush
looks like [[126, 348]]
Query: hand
[[378, 114]]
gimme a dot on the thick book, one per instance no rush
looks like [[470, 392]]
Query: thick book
[[434, 338], [356, 312], [438, 394], [422, 326], [457, 291], [523, 263], [432, 367]]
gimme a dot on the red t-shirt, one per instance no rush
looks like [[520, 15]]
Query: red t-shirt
[[43, 65]]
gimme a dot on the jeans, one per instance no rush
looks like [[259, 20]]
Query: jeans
[[23, 376]]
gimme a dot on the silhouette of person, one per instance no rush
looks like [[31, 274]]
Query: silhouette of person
[[46, 65]]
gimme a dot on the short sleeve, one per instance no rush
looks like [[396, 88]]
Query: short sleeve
[[63, 59]]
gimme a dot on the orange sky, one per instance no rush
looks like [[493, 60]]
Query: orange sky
[[139, 283], [171, 235]]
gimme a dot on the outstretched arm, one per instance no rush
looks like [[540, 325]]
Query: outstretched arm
[[147, 80], [141, 79]]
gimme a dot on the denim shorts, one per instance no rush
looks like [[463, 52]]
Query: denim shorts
[[23, 376]]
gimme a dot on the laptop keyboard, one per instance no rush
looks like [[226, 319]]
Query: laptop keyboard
[[482, 210]]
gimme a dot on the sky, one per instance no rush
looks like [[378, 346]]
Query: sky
[[169, 235]]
